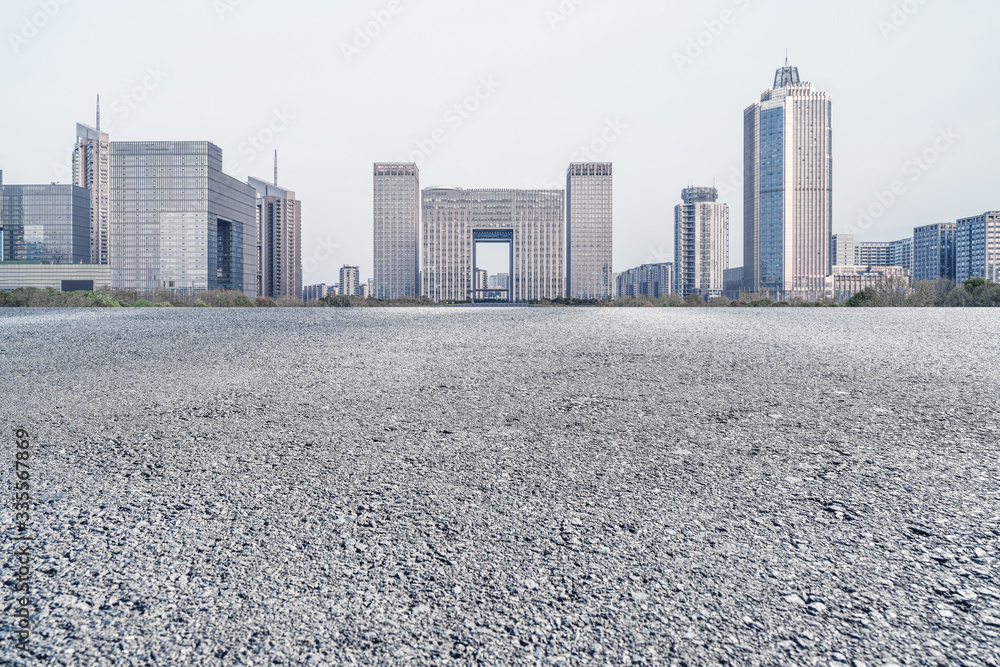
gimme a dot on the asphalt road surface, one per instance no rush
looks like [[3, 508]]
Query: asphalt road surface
[[522, 486]]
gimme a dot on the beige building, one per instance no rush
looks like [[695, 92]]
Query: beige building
[[849, 280], [92, 170], [279, 241], [531, 222]]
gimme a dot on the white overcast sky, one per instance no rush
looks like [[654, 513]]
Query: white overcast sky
[[228, 69]]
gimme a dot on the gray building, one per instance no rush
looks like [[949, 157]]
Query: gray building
[[178, 222], [397, 230], [701, 243], [934, 252], [279, 240], [44, 223], [60, 277], [530, 222], [92, 170], [649, 280], [350, 281], [732, 282], [977, 247], [589, 229], [846, 251], [788, 191]]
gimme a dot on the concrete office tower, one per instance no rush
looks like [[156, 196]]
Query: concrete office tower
[[788, 190], [279, 241], [397, 230], [44, 223], [92, 170], [532, 222], [977, 247], [701, 243], [934, 251], [178, 222], [350, 280], [589, 229]]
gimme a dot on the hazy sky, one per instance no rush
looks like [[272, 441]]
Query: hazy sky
[[535, 81]]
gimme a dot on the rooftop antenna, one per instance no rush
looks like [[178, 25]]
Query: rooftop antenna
[[98, 112], [275, 168], [786, 57]]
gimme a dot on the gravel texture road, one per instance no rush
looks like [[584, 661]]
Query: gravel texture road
[[523, 486]]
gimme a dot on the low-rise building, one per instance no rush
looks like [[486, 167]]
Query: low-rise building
[[849, 280], [60, 277]]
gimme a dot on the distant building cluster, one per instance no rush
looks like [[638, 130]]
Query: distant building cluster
[[152, 215]]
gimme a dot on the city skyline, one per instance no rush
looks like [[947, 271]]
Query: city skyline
[[522, 113]]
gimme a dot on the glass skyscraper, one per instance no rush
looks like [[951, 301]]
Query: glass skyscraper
[[397, 230], [788, 191], [589, 230], [44, 223], [178, 222]]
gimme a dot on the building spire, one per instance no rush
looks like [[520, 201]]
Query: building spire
[[98, 112], [275, 168]]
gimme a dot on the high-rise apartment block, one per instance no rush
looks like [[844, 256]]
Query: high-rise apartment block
[[350, 281], [701, 243], [279, 240], [589, 229], [397, 230], [649, 280], [92, 171], [314, 292], [977, 247], [934, 251], [178, 222], [44, 223], [532, 222], [788, 191]]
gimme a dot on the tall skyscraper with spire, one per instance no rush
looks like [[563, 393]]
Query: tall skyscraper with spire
[[279, 239], [92, 170], [788, 189]]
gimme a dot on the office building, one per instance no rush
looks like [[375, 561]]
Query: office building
[[178, 222], [279, 240], [649, 280], [499, 281], [788, 190], [589, 229], [350, 281], [846, 251], [530, 222], [60, 277], [732, 282], [701, 243], [44, 223], [934, 251], [977, 247], [92, 171], [315, 292], [397, 230]]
